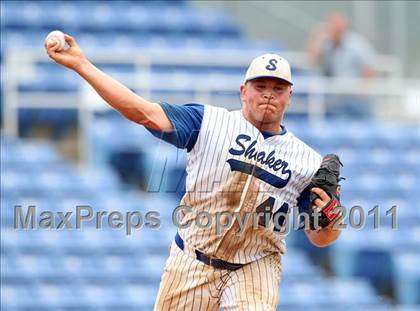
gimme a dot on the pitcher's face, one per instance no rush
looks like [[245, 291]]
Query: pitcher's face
[[265, 99]]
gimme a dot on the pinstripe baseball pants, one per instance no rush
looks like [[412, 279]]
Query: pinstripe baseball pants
[[189, 284]]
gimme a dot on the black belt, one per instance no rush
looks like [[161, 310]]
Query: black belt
[[217, 263]]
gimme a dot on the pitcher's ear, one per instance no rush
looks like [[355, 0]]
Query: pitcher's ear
[[242, 91]]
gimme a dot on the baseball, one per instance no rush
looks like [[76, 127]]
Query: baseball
[[55, 39]]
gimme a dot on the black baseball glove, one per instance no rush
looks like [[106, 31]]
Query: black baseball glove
[[327, 178]]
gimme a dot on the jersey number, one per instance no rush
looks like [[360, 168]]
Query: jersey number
[[265, 209]]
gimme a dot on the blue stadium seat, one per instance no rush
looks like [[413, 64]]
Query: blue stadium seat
[[371, 256], [327, 292], [16, 297], [33, 152], [52, 81], [407, 276], [297, 266]]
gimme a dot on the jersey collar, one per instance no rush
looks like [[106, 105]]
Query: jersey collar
[[283, 130]]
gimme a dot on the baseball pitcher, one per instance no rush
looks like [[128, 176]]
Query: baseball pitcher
[[246, 170]]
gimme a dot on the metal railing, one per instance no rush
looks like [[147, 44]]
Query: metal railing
[[397, 96]]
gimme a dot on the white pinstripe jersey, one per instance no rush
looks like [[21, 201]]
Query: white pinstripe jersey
[[232, 168]]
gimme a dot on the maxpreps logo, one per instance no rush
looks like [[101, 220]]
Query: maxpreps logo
[[268, 160]]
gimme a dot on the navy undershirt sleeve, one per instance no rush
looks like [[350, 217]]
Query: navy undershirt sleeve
[[186, 121], [303, 204]]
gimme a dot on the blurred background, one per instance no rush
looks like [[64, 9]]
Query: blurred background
[[356, 71]]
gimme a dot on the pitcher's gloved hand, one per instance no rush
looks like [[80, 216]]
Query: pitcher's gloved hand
[[326, 178]]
